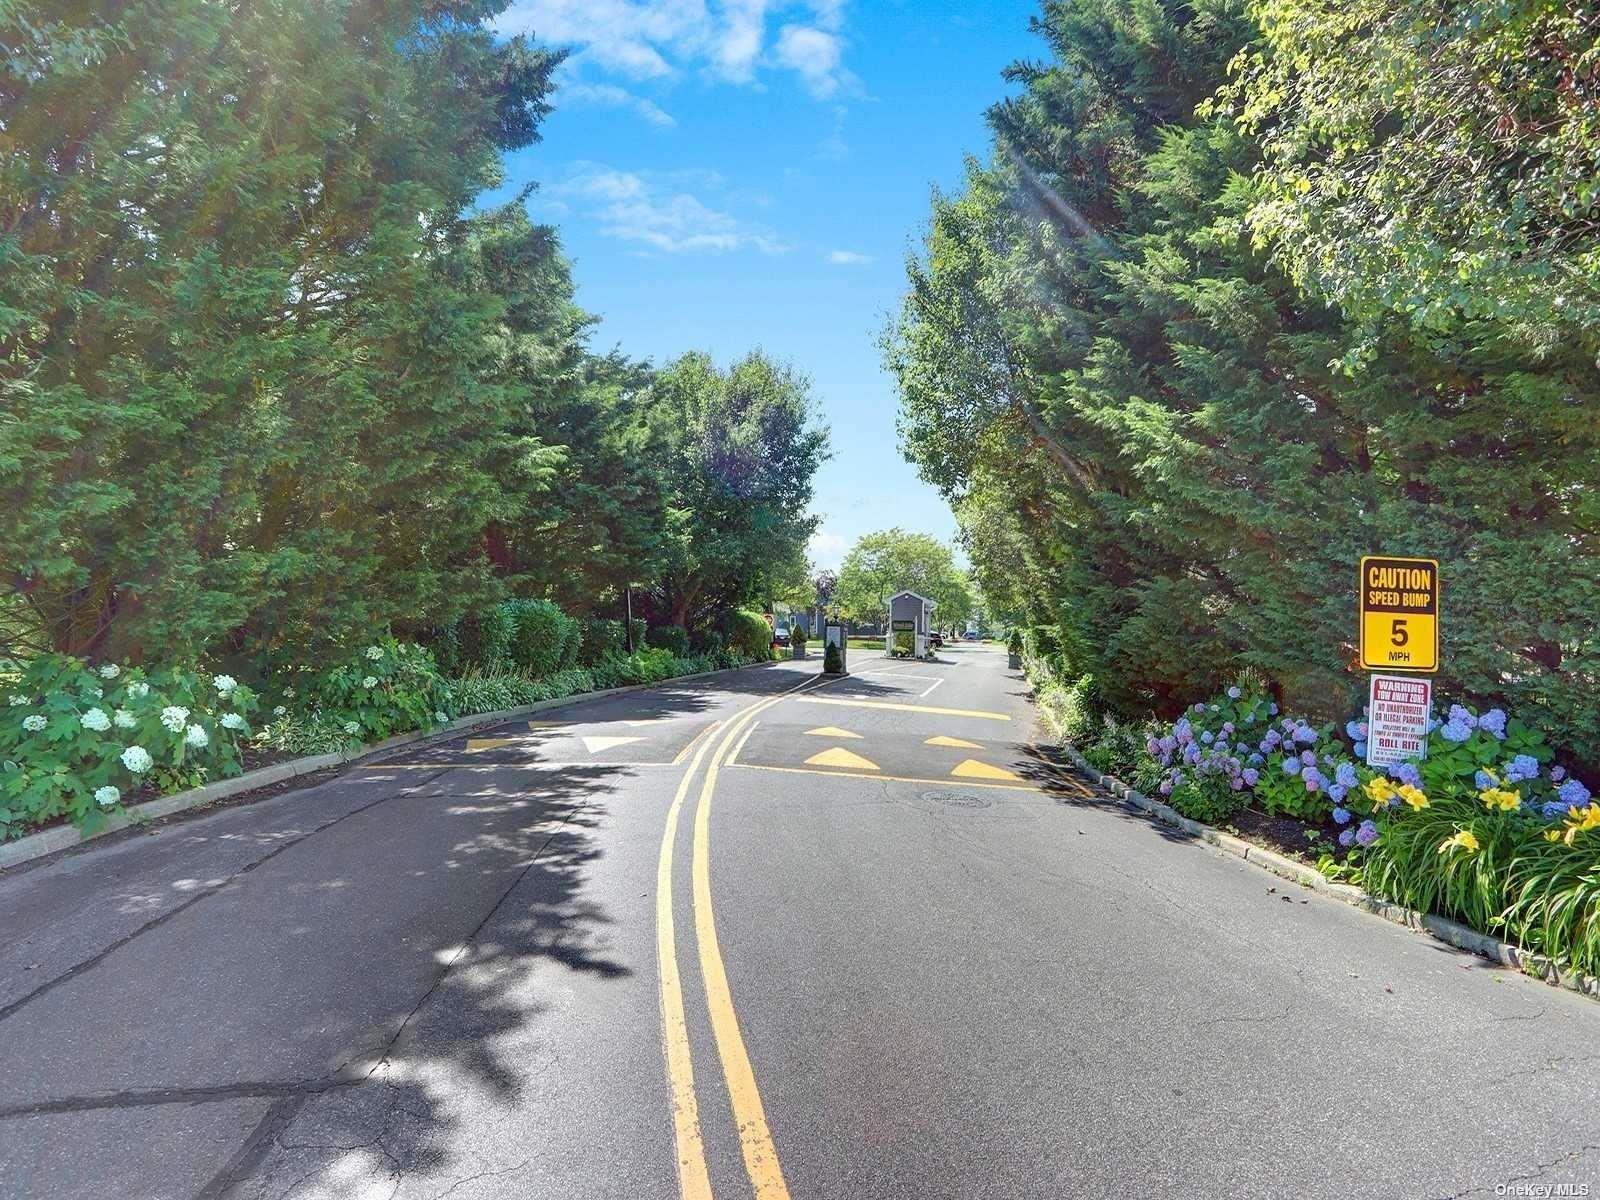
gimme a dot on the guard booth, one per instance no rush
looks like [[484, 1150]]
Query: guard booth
[[910, 619]]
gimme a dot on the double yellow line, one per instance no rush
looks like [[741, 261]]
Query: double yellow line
[[749, 1117]]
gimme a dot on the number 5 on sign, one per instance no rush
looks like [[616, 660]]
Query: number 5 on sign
[[1399, 600]]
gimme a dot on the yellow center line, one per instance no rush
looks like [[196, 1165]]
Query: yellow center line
[[692, 742], [693, 1180], [918, 708]]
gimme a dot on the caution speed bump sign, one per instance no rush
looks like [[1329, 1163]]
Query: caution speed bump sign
[[1399, 600]]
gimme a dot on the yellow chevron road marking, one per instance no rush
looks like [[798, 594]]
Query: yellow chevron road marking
[[838, 756]]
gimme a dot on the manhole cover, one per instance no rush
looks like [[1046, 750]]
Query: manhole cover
[[958, 799]]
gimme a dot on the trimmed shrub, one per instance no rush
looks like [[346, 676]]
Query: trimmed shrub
[[541, 635], [669, 637], [639, 629], [603, 638], [485, 637], [749, 634], [830, 659]]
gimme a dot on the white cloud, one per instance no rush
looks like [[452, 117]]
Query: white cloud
[[661, 39], [826, 549], [609, 95], [814, 54], [847, 258], [653, 211]]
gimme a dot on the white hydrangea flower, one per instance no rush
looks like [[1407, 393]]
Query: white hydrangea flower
[[110, 671], [138, 689], [232, 721], [123, 719], [17, 701], [106, 796], [197, 737], [99, 692], [137, 759], [288, 693], [374, 652], [371, 681], [352, 728], [225, 684], [440, 717], [280, 711], [34, 723], [96, 720], [174, 717]]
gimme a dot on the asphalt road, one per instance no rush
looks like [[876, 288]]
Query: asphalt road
[[895, 956]]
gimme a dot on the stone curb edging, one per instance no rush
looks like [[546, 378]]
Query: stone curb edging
[[1454, 933], [63, 837]]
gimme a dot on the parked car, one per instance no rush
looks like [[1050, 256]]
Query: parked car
[[969, 636], [935, 641], [780, 635]]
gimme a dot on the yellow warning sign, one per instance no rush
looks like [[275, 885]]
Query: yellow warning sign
[[1399, 601]]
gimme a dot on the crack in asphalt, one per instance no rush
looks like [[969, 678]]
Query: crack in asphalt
[[104, 953], [152, 1097], [1537, 1173]]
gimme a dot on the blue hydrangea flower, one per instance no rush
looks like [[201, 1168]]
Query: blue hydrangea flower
[[1255, 760], [1291, 766], [1552, 810], [1523, 766], [1355, 730], [1345, 775], [1192, 754], [1460, 716], [1494, 722], [1251, 776], [1313, 779], [1336, 793], [1166, 787], [1406, 772], [1198, 707], [1360, 749], [1346, 837], [1206, 737], [1367, 833], [1236, 782], [1272, 740], [1483, 780], [1227, 727], [1455, 731], [1573, 794], [1557, 774], [1304, 733], [1234, 693], [1341, 816], [1272, 709], [1308, 758]]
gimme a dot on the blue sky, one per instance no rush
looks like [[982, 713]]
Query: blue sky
[[728, 174]]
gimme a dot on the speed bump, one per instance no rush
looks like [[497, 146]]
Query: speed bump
[[832, 731], [958, 743], [971, 768]]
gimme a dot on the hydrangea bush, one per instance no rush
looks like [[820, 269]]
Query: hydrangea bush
[[384, 688], [80, 740]]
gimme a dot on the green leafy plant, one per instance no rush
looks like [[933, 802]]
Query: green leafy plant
[[749, 634], [540, 635], [386, 687], [669, 637], [78, 742], [831, 662]]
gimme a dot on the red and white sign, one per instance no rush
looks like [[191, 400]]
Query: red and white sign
[[1397, 719]]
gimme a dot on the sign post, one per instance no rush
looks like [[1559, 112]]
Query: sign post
[[1399, 599]]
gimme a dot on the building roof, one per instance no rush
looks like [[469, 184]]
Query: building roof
[[916, 596]]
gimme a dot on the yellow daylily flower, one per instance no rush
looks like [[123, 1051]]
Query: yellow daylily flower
[[1413, 796], [1501, 798], [1463, 839], [1578, 819], [1380, 791]]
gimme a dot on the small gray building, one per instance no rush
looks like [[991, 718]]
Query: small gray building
[[910, 620]]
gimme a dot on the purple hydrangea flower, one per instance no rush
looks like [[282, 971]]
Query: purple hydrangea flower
[[1345, 775], [1557, 774], [1308, 758], [1367, 833], [1236, 782], [1152, 747], [1272, 740], [1227, 727], [1168, 744], [1234, 693], [1573, 794], [1166, 787], [1347, 836], [1198, 707], [1251, 776], [1313, 779], [1455, 731], [1341, 816], [1494, 722]]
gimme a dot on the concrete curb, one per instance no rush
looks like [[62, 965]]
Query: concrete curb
[[63, 837], [1462, 937]]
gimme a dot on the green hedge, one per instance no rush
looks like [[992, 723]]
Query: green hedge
[[669, 637], [749, 633], [542, 633]]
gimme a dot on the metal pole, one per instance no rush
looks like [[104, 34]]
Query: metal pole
[[628, 624]]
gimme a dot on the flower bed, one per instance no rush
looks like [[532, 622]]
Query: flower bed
[[1488, 828], [79, 742]]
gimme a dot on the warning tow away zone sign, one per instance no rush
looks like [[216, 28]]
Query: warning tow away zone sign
[[1399, 600]]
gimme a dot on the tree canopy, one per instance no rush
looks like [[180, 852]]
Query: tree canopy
[[1152, 436], [272, 378], [892, 560]]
